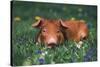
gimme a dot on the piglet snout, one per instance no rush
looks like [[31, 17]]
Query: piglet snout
[[52, 41]]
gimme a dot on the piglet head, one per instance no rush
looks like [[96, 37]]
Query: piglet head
[[50, 33]]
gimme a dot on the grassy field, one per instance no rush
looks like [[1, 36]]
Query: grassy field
[[24, 49]]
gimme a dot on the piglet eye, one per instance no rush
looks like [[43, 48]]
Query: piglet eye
[[44, 30]]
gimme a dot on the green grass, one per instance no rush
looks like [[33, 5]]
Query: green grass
[[26, 52]]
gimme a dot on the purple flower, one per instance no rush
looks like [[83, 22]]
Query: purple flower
[[38, 52], [41, 60]]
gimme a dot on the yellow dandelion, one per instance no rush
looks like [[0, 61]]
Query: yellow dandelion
[[17, 18], [37, 18], [82, 20], [73, 18]]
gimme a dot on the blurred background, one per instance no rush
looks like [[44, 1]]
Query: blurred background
[[25, 51]]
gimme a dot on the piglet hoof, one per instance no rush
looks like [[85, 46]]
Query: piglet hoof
[[78, 45]]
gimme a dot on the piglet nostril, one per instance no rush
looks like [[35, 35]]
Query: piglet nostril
[[51, 44]]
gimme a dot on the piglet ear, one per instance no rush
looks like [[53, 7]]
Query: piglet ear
[[38, 24], [62, 23]]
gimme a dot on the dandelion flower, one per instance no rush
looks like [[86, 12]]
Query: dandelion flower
[[37, 18], [73, 18], [17, 18]]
